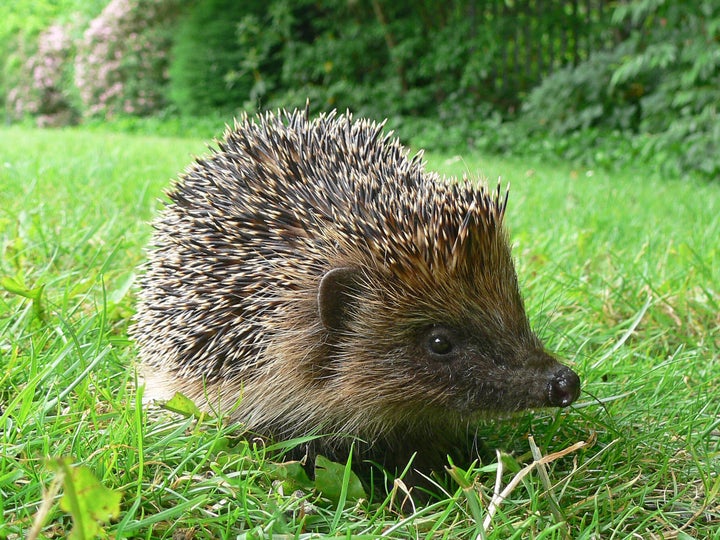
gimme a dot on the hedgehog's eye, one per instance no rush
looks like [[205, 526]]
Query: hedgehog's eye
[[440, 342], [440, 345]]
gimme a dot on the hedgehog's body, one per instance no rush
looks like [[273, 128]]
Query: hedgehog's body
[[310, 279]]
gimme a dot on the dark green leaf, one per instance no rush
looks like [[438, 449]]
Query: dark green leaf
[[333, 480]]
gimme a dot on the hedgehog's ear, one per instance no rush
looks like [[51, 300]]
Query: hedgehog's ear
[[337, 292]]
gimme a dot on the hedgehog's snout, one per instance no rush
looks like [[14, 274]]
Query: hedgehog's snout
[[563, 388]]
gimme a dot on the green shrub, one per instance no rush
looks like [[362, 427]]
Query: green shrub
[[659, 87], [207, 55], [581, 97]]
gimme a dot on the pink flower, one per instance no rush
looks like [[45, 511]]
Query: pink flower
[[113, 71]]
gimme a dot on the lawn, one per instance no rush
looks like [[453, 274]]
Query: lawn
[[621, 275]]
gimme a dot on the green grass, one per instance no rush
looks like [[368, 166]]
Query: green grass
[[621, 276]]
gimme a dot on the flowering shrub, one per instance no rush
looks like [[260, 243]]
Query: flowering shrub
[[121, 65], [41, 88]]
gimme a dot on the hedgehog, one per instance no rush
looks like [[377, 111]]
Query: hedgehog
[[309, 278]]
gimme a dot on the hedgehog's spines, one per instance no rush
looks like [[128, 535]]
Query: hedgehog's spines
[[229, 302]]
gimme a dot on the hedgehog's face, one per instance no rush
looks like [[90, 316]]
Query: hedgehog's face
[[483, 361], [474, 373]]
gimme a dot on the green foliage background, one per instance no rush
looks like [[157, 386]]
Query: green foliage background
[[205, 53], [598, 84]]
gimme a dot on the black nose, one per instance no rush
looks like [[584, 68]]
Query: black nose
[[564, 387]]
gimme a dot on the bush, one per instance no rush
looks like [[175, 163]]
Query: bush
[[659, 86], [581, 97], [679, 46], [205, 73], [41, 90], [121, 65]]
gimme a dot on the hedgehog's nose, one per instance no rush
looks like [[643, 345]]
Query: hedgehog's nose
[[563, 388]]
